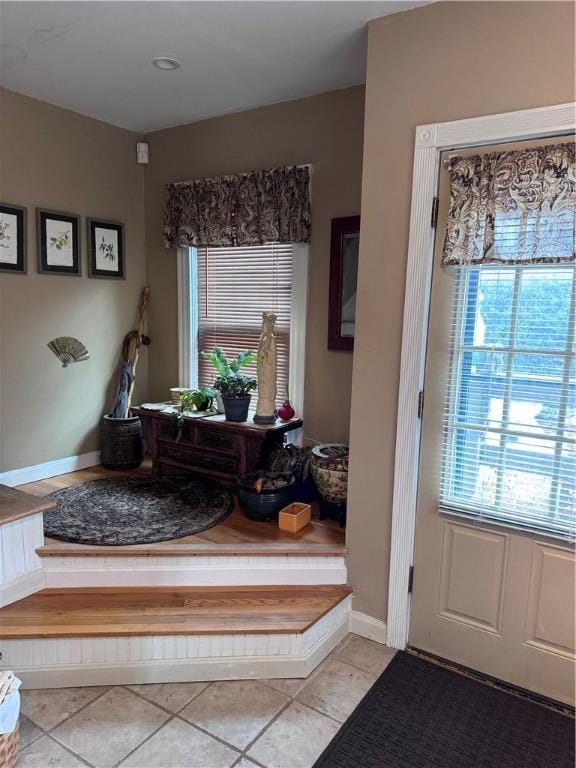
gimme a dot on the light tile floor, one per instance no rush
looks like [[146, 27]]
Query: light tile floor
[[237, 724]]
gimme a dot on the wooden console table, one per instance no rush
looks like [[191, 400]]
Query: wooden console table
[[210, 445]]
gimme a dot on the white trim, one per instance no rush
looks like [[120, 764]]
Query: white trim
[[49, 469], [430, 141], [22, 586], [184, 272], [193, 571], [299, 313], [367, 626], [69, 662]]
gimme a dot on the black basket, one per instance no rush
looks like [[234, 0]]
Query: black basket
[[264, 506]]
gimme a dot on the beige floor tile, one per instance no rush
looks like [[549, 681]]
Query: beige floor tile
[[50, 706], [295, 739], [179, 745], [336, 689], [108, 729], [289, 685], [28, 732], [171, 696], [236, 711], [365, 654], [45, 753]]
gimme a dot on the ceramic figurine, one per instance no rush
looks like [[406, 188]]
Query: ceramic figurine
[[266, 407]]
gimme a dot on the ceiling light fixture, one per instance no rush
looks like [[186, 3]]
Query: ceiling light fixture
[[165, 62]]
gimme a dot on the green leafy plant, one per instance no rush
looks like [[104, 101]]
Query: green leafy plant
[[229, 381], [235, 385], [199, 399]]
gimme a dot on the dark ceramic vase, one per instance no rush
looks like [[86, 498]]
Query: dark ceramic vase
[[122, 443], [236, 408]]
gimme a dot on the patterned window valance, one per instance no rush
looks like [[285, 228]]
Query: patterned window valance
[[514, 207], [247, 209]]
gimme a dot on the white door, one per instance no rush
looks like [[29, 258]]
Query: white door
[[494, 566]]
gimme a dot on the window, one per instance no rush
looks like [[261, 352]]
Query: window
[[510, 416], [222, 294]]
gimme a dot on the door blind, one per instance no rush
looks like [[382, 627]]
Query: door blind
[[509, 447], [235, 285]]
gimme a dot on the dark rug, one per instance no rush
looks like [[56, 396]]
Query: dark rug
[[421, 715], [139, 509]]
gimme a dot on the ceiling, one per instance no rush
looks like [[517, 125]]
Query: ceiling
[[95, 57]]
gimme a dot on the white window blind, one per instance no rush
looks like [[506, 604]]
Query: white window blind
[[235, 285], [509, 445]]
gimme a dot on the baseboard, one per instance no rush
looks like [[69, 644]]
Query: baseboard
[[368, 626], [22, 587], [49, 469], [71, 662]]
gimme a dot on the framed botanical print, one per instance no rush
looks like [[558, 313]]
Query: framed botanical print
[[106, 249], [12, 238], [344, 242], [58, 236]]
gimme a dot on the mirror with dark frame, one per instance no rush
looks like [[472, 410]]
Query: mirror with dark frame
[[344, 242]]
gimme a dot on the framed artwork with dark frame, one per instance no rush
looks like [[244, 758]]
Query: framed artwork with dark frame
[[12, 238], [58, 236], [106, 249], [344, 242]]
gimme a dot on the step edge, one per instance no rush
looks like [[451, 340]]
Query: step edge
[[194, 550]]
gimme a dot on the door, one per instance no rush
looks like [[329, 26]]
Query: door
[[494, 566]]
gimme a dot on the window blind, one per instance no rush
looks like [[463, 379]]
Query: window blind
[[235, 285], [509, 443]]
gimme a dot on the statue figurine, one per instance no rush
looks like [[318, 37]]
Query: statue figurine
[[266, 408]]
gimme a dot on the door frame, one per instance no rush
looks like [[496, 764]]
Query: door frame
[[431, 140]]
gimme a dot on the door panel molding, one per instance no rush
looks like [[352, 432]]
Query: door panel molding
[[551, 566], [430, 141], [470, 557]]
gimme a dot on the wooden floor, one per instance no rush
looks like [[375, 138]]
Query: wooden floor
[[120, 612], [237, 529]]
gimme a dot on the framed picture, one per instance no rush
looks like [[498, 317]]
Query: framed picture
[[344, 243], [106, 249], [12, 238], [58, 243]]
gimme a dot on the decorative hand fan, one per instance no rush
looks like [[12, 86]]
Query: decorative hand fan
[[68, 350]]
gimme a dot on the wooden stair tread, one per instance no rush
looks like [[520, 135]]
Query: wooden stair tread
[[15, 504], [113, 611], [241, 549]]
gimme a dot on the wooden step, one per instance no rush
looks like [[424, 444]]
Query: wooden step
[[243, 549], [120, 612]]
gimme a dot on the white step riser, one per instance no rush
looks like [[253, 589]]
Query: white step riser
[[182, 571], [68, 662]]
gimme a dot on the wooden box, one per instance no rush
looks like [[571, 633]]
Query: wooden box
[[294, 517]]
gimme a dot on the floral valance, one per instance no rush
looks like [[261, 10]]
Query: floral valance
[[247, 209], [516, 207]]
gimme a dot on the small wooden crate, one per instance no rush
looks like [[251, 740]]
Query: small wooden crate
[[294, 517]]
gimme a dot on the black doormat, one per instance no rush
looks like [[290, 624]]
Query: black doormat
[[421, 715], [139, 509]]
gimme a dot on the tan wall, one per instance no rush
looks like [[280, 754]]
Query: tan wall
[[54, 158], [325, 130], [441, 62]]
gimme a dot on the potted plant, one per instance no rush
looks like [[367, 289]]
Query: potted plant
[[234, 387], [190, 400]]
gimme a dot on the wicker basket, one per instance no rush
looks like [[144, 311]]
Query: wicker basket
[[9, 748]]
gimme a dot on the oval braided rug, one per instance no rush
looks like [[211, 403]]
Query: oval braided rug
[[139, 509]]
